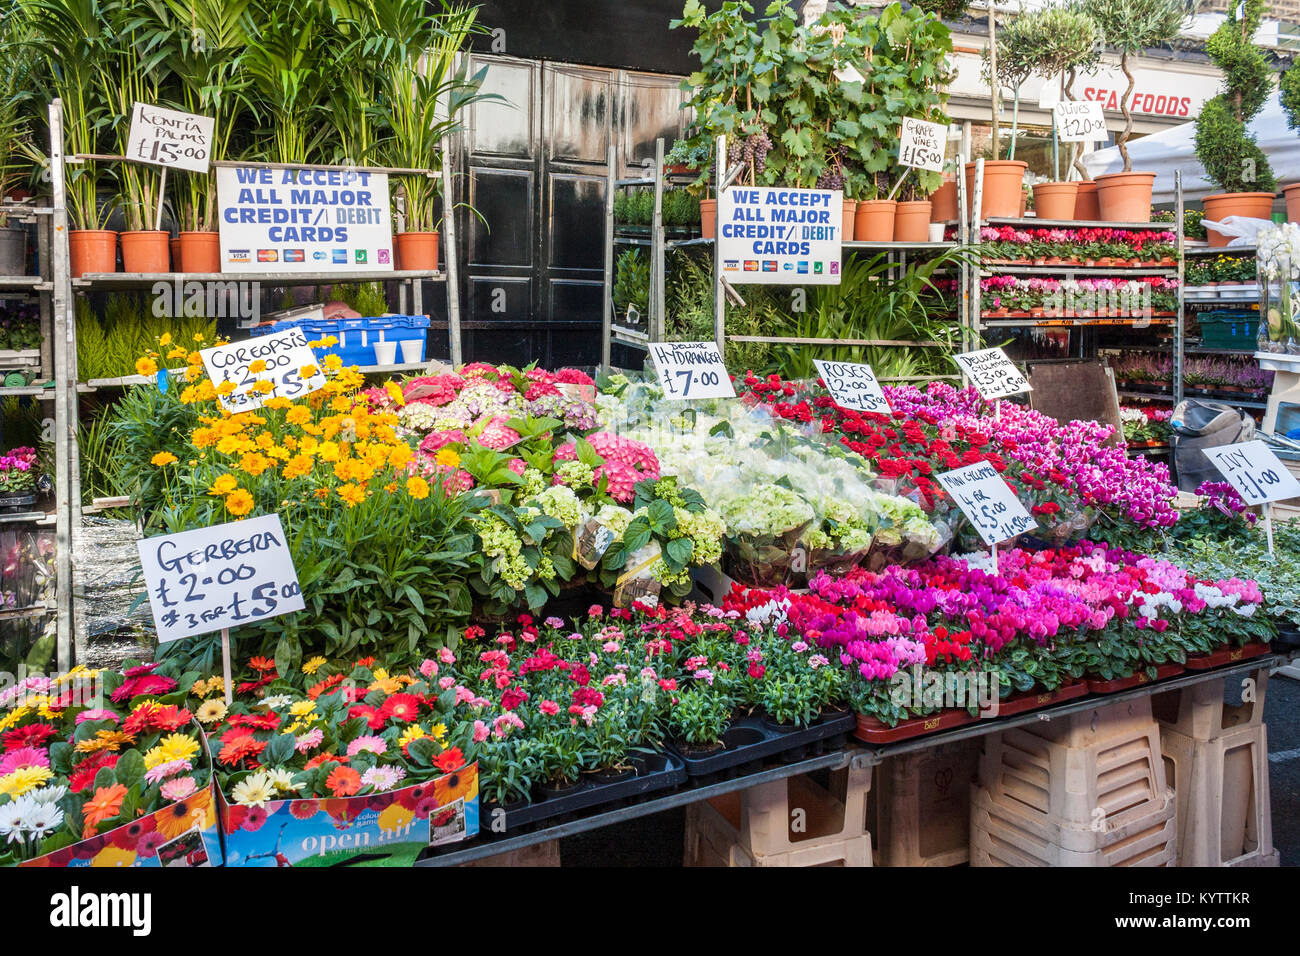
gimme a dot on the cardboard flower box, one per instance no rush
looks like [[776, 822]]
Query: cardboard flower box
[[390, 828]]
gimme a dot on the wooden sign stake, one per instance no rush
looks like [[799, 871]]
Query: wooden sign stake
[[1268, 525], [225, 662], [162, 189]]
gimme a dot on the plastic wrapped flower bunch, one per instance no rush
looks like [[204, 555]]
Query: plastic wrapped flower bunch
[[793, 504]]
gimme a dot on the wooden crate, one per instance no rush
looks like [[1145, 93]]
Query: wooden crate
[[1224, 811], [921, 806]]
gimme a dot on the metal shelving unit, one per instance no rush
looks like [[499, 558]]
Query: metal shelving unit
[[659, 245]]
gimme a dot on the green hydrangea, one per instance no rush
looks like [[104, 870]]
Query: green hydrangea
[[614, 518], [575, 474], [533, 482], [561, 503]]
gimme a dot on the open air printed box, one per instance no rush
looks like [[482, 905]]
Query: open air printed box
[[381, 829]]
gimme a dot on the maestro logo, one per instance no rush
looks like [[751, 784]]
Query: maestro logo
[[295, 255]]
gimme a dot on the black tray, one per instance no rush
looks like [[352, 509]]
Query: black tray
[[661, 771], [761, 740]]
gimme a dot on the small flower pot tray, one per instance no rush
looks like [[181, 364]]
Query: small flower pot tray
[[1032, 700], [658, 771], [871, 730], [1098, 686], [1225, 655], [752, 739]]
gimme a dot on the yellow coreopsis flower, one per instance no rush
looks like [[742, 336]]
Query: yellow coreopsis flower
[[417, 487], [254, 463], [298, 415], [239, 503], [146, 366], [164, 340], [224, 485], [277, 403], [447, 458], [225, 388], [352, 494], [257, 365], [163, 458], [395, 394]]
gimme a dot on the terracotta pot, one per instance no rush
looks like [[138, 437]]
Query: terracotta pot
[[92, 250], [1292, 194], [1055, 200], [1125, 197], [912, 221], [200, 252], [1002, 196], [174, 248], [146, 251], [943, 202], [417, 251], [1086, 207], [850, 215], [875, 220], [708, 218], [1254, 205]]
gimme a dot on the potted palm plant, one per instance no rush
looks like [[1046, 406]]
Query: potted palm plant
[[206, 41], [70, 43], [131, 73], [1131, 26], [285, 63], [1231, 157], [425, 89]]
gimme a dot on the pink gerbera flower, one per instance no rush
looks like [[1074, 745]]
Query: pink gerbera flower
[[368, 743]]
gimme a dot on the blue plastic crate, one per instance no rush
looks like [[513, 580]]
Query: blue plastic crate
[[357, 337]]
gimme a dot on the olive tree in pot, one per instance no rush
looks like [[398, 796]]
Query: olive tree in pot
[[1289, 88], [425, 90], [1231, 157], [1130, 27]]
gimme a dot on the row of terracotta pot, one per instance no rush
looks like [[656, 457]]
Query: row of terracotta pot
[[157, 251], [867, 220]]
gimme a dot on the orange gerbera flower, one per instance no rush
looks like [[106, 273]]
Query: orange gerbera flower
[[184, 815], [262, 664], [104, 740], [343, 781], [104, 805], [463, 783]]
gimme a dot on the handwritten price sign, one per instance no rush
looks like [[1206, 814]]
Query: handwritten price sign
[[282, 355], [1079, 122], [214, 578], [1255, 472], [992, 373], [853, 385], [163, 137], [987, 501], [690, 370], [922, 144]]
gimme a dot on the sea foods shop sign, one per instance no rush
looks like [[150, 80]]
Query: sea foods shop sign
[[295, 219], [771, 236]]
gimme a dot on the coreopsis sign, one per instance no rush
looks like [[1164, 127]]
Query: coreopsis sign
[[238, 369]]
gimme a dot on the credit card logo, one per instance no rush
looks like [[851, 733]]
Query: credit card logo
[[268, 255], [751, 265], [295, 255], [769, 265], [339, 257], [239, 255]]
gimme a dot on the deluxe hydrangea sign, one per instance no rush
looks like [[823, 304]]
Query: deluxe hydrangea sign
[[772, 236], [992, 373], [304, 220], [853, 385], [986, 499], [219, 577], [277, 359], [690, 370]]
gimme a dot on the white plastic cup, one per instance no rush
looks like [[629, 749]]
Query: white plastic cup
[[385, 353], [936, 232], [412, 351]]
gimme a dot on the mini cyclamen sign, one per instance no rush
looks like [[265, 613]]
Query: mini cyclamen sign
[[283, 356], [1258, 475], [853, 385], [987, 500], [690, 370], [212, 579]]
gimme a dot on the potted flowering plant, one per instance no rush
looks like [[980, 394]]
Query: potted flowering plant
[[698, 720], [17, 479]]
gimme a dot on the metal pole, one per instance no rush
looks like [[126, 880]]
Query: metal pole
[[449, 254], [657, 326], [719, 297], [607, 286], [1180, 341], [64, 392]]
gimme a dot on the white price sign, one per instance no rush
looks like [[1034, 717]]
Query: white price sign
[[282, 356], [164, 137], [992, 373], [689, 370], [772, 236], [923, 144], [986, 499], [853, 385], [214, 578], [1257, 474], [1079, 121]]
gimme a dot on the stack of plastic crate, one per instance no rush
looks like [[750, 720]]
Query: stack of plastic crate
[[793, 822], [1216, 756], [921, 806], [1086, 789]]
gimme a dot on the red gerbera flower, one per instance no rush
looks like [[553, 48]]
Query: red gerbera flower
[[320, 760], [403, 707], [84, 775], [239, 748], [268, 721], [33, 735], [152, 715], [261, 664], [343, 781], [317, 689], [449, 760]]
